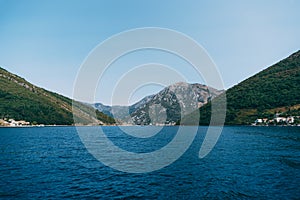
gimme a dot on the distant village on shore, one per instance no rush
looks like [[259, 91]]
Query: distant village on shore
[[17, 123], [278, 120]]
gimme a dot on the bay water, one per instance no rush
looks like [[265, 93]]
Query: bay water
[[246, 163]]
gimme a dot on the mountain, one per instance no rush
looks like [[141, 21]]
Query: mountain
[[273, 90], [121, 113], [163, 107], [166, 106], [21, 100], [103, 108]]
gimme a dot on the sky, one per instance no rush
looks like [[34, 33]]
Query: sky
[[46, 42]]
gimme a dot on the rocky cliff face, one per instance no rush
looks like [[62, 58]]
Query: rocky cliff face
[[172, 103]]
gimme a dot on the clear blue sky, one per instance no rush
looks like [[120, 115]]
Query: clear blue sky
[[46, 41]]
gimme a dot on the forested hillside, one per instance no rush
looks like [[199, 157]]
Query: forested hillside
[[21, 100], [273, 90]]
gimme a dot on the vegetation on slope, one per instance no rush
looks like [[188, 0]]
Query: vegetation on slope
[[275, 89], [21, 100]]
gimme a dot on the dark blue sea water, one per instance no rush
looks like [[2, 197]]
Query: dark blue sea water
[[246, 163]]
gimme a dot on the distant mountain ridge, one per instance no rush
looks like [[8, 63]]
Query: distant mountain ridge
[[120, 111], [140, 112], [21, 100]]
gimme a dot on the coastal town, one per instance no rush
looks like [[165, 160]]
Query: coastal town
[[17, 123], [278, 120]]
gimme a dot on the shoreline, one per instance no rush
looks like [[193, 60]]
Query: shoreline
[[232, 125]]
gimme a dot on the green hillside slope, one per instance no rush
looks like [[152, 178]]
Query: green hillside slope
[[22, 100], [275, 89]]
